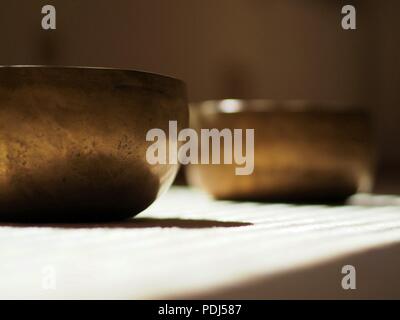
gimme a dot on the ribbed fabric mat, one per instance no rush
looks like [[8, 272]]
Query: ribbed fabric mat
[[164, 253]]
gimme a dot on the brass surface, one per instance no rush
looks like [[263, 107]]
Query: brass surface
[[303, 151], [73, 142]]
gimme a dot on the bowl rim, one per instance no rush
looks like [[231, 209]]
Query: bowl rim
[[77, 67], [271, 105]]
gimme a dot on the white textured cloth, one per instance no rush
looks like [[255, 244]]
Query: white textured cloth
[[163, 253]]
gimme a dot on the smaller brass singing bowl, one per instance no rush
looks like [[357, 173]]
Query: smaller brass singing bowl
[[303, 152], [73, 142]]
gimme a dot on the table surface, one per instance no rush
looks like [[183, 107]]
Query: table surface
[[189, 246]]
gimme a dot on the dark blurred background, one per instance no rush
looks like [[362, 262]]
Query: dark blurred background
[[279, 49]]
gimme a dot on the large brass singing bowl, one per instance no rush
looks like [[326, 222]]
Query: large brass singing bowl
[[303, 152], [73, 142]]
